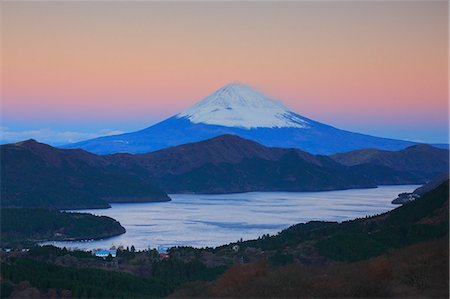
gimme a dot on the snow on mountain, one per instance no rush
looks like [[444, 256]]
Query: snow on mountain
[[238, 105], [242, 111]]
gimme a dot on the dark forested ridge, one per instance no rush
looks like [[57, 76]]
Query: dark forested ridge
[[422, 159], [38, 175], [403, 252], [25, 225], [52, 272], [291, 172], [421, 220], [229, 163], [79, 283], [417, 271]]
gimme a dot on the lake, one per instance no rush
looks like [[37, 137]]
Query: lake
[[202, 220]]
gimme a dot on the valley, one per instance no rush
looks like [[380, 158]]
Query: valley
[[323, 259], [198, 220]]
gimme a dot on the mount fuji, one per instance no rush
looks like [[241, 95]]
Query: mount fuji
[[240, 110]]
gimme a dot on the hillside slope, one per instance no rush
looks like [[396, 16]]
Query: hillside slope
[[231, 164], [402, 253], [421, 220], [228, 163], [424, 158], [33, 225], [38, 175]]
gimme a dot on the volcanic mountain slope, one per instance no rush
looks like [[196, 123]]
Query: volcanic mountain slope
[[428, 160], [240, 110], [38, 175]]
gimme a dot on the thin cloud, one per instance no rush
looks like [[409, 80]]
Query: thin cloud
[[51, 137]]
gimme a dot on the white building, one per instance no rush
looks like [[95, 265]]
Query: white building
[[105, 253]]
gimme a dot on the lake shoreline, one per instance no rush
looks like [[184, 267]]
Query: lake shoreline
[[199, 221]]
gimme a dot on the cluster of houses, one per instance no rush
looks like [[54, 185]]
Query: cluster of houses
[[16, 250], [404, 198], [104, 253]]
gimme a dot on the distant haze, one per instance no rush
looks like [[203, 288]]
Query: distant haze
[[72, 70]]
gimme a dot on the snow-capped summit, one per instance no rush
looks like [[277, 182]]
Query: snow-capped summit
[[239, 105], [239, 110]]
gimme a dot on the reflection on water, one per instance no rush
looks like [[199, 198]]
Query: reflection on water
[[212, 220]]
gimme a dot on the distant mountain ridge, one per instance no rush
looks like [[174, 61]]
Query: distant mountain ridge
[[229, 163], [239, 110], [430, 160], [222, 149], [418, 163], [38, 175]]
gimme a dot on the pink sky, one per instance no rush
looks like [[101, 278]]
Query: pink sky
[[373, 67]]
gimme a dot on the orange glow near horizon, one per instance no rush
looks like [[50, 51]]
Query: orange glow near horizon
[[344, 63]]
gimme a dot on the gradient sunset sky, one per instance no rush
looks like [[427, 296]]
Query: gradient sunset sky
[[76, 70]]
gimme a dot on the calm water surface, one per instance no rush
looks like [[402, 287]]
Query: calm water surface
[[212, 220]]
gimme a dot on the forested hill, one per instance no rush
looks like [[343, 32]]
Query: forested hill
[[404, 251], [421, 220], [22, 226], [36, 175]]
